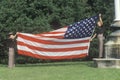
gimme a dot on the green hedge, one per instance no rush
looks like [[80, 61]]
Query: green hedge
[[36, 16]]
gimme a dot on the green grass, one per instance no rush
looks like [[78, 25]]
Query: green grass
[[58, 71]]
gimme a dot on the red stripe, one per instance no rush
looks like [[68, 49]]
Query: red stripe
[[52, 50], [50, 41], [51, 57]]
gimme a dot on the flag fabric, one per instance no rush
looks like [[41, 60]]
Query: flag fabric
[[58, 44], [81, 29]]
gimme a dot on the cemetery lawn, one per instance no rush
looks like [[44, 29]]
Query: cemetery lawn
[[79, 70]]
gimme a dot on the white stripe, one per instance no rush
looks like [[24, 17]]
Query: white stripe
[[24, 48], [32, 43], [60, 30]]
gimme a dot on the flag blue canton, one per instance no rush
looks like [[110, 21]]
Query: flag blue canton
[[81, 29]]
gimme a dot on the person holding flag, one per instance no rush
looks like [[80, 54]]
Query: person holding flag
[[99, 33]]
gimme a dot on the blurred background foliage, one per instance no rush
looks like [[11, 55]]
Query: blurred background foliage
[[36, 16]]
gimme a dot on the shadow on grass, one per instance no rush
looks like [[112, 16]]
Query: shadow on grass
[[81, 63]]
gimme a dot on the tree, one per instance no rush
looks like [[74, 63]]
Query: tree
[[36, 16]]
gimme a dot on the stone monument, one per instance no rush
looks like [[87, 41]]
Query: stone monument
[[112, 46]]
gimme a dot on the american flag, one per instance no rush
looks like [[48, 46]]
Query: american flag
[[59, 44]]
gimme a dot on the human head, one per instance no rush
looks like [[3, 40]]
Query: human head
[[99, 23]]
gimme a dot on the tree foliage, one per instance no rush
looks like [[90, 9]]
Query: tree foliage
[[36, 16]]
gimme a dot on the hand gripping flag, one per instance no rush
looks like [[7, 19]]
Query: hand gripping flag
[[65, 43]]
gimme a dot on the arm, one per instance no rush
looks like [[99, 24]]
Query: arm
[[93, 37], [100, 19], [13, 36]]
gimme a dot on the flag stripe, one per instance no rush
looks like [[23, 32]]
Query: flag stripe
[[58, 37], [32, 43], [27, 53], [53, 42], [53, 50], [24, 48], [33, 46], [54, 39]]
